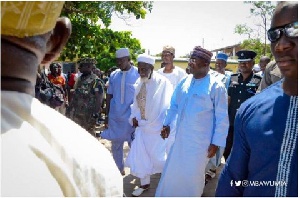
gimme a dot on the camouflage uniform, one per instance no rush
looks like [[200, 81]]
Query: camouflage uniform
[[83, 103]]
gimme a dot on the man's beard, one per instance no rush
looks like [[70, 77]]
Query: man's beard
[[146, 79]]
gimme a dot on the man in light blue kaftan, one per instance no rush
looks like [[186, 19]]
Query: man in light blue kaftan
[[119, 97], [200, 104], [215, 161], [264, 158]]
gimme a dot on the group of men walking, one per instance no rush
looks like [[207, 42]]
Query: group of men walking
[[170, 116], [171, 121]]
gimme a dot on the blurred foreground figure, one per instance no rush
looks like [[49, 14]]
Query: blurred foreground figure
[[264, 157], [39, 159]]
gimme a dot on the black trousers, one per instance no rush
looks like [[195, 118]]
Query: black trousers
[[229, 142]]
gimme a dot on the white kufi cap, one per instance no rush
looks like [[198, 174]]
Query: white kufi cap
[[256, 68], [122, 52], [146, 59]]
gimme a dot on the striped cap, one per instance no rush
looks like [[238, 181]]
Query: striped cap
[[200, 52]]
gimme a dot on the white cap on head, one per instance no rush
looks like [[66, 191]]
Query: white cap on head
[[122, 52], [146, 59], [256, 68]]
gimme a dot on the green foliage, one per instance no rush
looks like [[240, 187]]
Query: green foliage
[[258, 47], [243, 29], [263, 10], [89, 39]]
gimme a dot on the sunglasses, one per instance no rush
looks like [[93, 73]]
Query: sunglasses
[[290, 30]]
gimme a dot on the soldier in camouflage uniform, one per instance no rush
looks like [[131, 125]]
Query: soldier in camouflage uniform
[[87, 96]]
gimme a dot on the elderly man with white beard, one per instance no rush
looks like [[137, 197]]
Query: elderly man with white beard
[[152, 98]]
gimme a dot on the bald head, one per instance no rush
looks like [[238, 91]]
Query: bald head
[[264, 60]]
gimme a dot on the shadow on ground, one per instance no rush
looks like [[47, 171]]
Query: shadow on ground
[[130, 182]]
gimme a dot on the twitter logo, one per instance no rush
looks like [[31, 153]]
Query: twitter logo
[[237, 183]]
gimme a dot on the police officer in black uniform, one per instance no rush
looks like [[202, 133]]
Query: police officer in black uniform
[[243, 85]]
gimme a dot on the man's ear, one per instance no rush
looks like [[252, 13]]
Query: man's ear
[[58, 39]]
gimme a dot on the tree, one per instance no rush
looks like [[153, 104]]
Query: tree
[[243, 29], [90, 35], [264, 10], [258, 47]]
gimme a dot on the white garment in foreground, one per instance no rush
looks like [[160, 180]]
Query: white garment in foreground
[[46, 154], [147, 154], [175, 78]]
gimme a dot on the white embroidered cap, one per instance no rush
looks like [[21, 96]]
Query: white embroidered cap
[[146, 59], [122, 52]]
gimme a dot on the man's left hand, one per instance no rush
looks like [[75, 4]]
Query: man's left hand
[[212, 149]]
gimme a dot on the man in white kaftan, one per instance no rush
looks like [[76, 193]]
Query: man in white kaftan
[[152, 97], [200, 102], [174, 74]]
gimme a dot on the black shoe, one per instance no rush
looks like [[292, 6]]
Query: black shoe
[[98, 134]]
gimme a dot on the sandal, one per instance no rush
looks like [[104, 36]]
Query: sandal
[[140, 190]]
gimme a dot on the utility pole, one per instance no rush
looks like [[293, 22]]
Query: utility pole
[[203, 42]]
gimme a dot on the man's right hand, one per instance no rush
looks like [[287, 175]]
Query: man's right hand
[[135, 122], [165, 132]]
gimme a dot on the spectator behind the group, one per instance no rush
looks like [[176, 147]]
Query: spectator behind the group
[[78, 73], [220, 65], [243, 85], [71, 79], [199, 103], [174, 74], [43, 153], [272, 74], [119, 97], [256, 69], [109, 71], [98, 73], [87, 96], [56, 78], [264, 156], [263, 62], [152, 98]]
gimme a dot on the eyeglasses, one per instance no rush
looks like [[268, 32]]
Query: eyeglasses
[[290, 30]]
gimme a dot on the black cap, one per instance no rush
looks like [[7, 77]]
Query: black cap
[[245, 55]]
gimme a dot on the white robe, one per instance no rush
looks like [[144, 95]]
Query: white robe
[[46, 154], [175, 78], [201, 105], [147, 154]]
